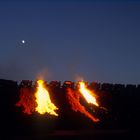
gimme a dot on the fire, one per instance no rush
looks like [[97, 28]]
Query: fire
[[73, 99], [44, 104], [27, 100], [88, 95]]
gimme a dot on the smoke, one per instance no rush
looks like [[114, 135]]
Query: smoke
[[76, 106], [43, 74]]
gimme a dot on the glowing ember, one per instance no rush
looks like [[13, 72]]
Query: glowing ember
[[73, 99], [88, 95], [27, 100], [44, 104]]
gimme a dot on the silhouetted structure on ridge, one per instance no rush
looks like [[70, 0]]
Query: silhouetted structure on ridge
[[121, 101]]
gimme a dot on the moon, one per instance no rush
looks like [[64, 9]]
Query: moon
[[23, 41]]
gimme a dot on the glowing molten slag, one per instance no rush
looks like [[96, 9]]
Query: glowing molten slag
[[77, 106], [44, 104], [88, 95]]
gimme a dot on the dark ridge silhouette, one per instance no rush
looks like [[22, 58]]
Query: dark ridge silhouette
[[118, 112]]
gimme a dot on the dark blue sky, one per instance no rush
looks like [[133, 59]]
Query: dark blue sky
[[99, 41]]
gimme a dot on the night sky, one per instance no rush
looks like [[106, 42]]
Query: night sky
[[96, 40]]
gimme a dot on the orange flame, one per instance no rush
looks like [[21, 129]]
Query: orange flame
[[73, 99], [88, 95], [27, 100], [44, 104]]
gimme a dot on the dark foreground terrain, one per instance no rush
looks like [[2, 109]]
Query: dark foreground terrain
[[120, 121]]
